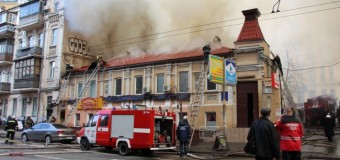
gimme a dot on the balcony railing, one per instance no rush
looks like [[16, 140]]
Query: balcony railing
[[6, 57], [23, 52], [26, 83], [7, 30], [30, 22], [4, 86]]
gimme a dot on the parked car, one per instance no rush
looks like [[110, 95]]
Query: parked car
[[3, 121], [49, 132], [20, 126]]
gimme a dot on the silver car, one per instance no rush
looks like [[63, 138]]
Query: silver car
[[49, 132]]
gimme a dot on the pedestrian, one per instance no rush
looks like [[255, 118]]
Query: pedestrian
[[265, 136], [329, 127], [29, 122], [10, 128], [53, 119], [183, 133], [291, 131]]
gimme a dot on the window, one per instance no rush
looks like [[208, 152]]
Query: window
[[104, 120], [93, 121], [52, 68], [80, 87], [54, 37], [196, 79], [211, 86], [28, 68], [93, 89], [139, 85], [41, 40], [56, 6], [3, 18], [183, 81], [30, 41], [30, 9], [12, 18], [106, 88], [118, 86], [37, 126], [77, 119], [160, 83], [211, 118], [14, 111], [49, 100], [24, 107], [20, 43], [90, 115], [35, 107]]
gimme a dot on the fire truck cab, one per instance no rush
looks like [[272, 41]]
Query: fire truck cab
[[128, 130]]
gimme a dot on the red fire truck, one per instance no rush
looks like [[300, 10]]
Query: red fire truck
[[316, 109], [128, 130]]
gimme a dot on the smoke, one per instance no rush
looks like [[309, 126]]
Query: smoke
[[104, 22]]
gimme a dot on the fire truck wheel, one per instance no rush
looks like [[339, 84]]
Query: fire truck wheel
[[123, 148], [84, 144]]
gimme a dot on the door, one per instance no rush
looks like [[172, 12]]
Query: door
[[247, 103], [103, 134], [90, 129], [32, 133]]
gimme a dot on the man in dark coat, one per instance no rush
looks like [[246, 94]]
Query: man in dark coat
[[10, 128], [329, 127], [183, 135], [267, 139]]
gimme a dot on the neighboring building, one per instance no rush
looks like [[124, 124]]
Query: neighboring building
[[8, 22]]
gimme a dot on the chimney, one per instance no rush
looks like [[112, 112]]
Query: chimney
[[251, 30]]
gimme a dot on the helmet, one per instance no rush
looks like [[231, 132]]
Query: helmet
[[13, 117], [185, 117]]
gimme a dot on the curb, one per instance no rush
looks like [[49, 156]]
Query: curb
[[35, 153]]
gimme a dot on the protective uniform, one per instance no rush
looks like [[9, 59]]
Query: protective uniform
[[10, 128]]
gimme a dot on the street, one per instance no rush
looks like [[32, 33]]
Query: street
[[314, 147]]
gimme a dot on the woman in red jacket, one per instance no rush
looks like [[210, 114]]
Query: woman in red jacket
[[291, 131]]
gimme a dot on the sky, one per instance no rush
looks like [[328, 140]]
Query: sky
[[306, 33]]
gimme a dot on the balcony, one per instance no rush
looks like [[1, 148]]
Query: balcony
[[26, 83], [6, 59], [7, 31], [5, 87], [31, 22], [30, 51]]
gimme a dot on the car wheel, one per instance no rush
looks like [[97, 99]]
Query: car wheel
[[24, 137], [48, 139], [123, 148], [84, 144]]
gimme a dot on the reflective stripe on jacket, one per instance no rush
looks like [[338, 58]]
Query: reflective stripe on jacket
[[291, 132], [11, 125]]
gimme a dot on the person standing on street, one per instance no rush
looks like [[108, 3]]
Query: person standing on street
[[10, 128], [183, 135], [291, 131], [29, 122], [266, 138], [329, 127]]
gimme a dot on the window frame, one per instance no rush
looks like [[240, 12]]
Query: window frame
[[120, 88], [54, 37], [207, 121], [138, 86], [157, 83], [182, 88], [52, 69]]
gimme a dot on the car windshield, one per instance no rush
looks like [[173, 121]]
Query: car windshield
[[59, 126]]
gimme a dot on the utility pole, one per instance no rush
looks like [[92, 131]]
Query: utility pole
[[223, 101]]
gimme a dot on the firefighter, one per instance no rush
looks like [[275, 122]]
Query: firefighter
[[183, 134], [10, 128], [29, 122]]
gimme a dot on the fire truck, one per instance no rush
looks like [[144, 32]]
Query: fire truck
[[130, 130], [317, 108]]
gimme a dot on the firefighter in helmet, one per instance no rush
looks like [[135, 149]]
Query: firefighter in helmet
[[10, 128]]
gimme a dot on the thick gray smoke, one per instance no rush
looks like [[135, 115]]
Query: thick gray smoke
[[311, 39]]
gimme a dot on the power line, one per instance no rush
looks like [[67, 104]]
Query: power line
[[312, 67], [173, 35], [154, 34]]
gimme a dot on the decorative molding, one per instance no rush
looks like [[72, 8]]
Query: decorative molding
[[127, 73], [148, 71], [168, 69]]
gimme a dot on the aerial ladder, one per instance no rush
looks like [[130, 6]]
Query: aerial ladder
[[96, 67], [199, 93]]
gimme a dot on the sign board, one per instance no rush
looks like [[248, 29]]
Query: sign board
[[90, 104], [215, 69], [275, 80], [230, 73]]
